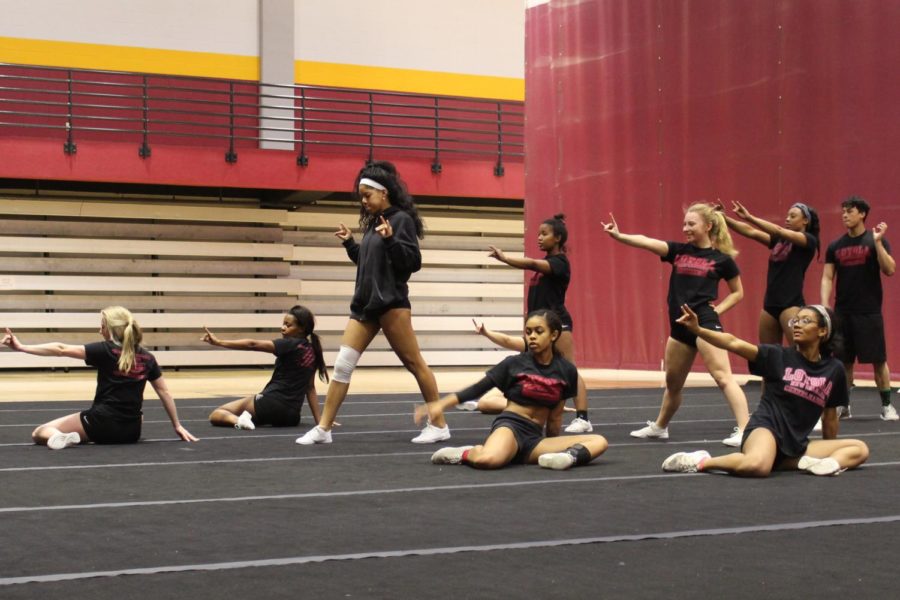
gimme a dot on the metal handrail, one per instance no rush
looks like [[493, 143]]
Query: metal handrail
[[234, 112]]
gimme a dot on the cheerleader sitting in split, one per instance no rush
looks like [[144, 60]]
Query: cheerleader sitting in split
[[536, 384], [802, 383], [123, 370], [299, 357]]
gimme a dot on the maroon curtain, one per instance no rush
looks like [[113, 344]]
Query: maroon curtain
[[640, 108]]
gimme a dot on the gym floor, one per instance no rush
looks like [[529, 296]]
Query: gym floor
[[251, 514]]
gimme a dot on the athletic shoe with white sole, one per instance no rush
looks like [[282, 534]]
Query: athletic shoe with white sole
[[889, 413], [60, 440], [245, 421], [579, 425], [819, 466], [558, 461], [449, 455], [652, 430], [431, 434], [734, 440], [685, 462], [468, 405], [844, 412], [316, 435]]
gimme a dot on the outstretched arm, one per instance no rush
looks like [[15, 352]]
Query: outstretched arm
[[525, 263], [797, 238], [719, 339], [658, 247], [49, 349], [168, 402], [433, 410], [257, 345], [501, 339]]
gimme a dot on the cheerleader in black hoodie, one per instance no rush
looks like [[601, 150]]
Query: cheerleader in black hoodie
[[388, 255]]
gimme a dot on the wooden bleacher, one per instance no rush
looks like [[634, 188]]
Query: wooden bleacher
[[236, 268]]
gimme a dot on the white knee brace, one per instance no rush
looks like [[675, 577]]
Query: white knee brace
[[344, 364]]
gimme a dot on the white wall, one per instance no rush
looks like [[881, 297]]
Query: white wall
[[222, 26], [472, 37]]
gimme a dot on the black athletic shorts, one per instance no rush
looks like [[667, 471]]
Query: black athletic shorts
[[863, 338], [275, 412], [102, 429], [709, 320], [775, 311], [363, 316], [528, 433]]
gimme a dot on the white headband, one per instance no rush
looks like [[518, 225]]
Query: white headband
[[372, 184]]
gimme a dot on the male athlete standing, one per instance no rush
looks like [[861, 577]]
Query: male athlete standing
[[857, 259]]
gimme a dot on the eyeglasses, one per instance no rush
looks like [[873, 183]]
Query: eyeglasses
[[803, 322]]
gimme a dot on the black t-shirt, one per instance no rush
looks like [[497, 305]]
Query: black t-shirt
[[796, 391], [549, 290], [695, 277], [528, 383], [120, 395], [295, 365], [787, 268], [384, 266], [858, 275]]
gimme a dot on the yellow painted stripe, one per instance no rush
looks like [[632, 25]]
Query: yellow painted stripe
[[408, 80], [79, 55]]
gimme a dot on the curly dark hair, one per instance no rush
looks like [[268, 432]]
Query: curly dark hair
[[385, 173]]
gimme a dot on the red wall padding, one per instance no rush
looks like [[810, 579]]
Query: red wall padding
[[640, 108]]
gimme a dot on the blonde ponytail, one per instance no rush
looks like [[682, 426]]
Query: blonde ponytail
[[125, 332], [719, 236]]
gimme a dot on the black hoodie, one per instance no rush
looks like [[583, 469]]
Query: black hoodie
[[383, 265]]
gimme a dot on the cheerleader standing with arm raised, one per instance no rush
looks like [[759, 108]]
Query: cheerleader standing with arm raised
[[697, 266]]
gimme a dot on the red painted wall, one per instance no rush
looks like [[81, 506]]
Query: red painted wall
[[188, 122], [639, 108]]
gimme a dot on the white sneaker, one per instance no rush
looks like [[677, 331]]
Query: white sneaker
[[844, 412], [449, 455], [60, 440], [685, 462], [245, 421], [889, 413], [818, 425], [819, 466], [579, 425], [558, 461], [652, 430], [468, 405], [431, 434], [316, 435], [734, 440]]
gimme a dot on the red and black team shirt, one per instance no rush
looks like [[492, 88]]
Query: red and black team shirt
[[787, 268], [795, 393], [120, 395], [528, 383], [695, 276], [858, 275], [548, 291], [295, 365]]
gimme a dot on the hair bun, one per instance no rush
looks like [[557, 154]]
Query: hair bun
[[559, 217]]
